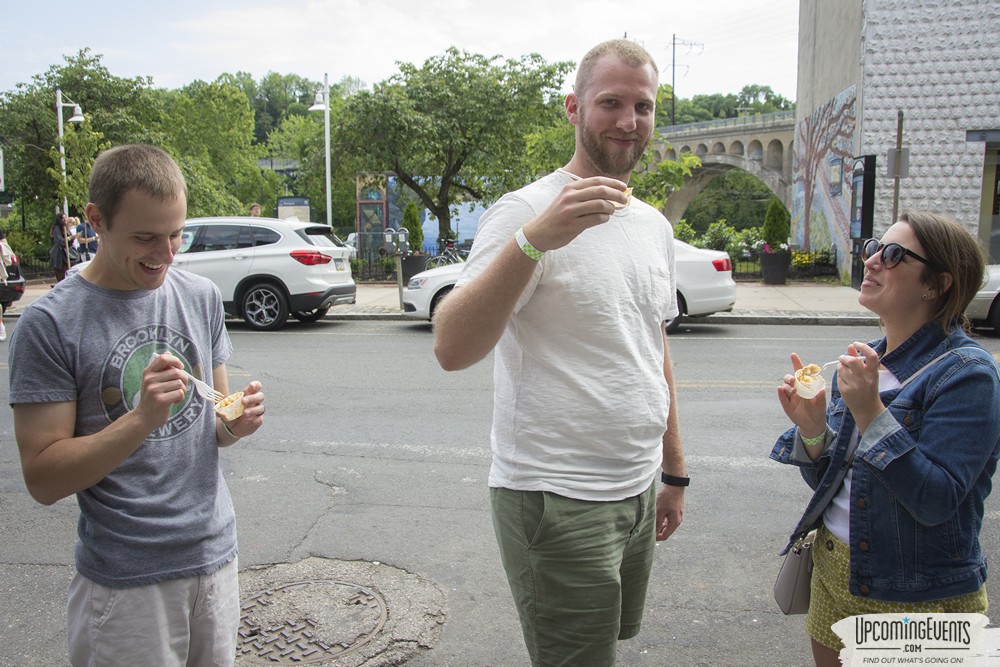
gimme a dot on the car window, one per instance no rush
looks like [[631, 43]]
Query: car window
[[265, 236], [222, 237], [321, 236], [187, 238]]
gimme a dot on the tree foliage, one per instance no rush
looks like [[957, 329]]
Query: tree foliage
[[654, 185], [454, 128], [411, 222], [736, 196]]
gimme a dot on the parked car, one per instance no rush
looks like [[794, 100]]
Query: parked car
[[704, 285], [268, 269], [985, 306], [14, 289]]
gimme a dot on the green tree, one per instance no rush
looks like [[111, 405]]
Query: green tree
[[453, 129], [213, 123], [82, 144], [300, 138], [411, 222], [761, 99], [653, 186], [120, 110], [735, 195]]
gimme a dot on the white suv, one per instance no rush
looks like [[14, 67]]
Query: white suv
[[268, 269]]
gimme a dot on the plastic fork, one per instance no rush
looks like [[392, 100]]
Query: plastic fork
[[205, 391]]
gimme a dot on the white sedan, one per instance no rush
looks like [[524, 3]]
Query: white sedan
[[704, 285], [985, 306]]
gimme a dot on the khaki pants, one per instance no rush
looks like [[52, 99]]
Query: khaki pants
[[578, 571], [182, 623]]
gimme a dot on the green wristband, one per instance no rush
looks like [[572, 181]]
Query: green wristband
[[526, 247], [812, 442]]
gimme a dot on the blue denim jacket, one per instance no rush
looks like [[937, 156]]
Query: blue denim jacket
[[921, 473]]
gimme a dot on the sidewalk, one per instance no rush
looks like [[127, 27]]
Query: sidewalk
[[756, 303]]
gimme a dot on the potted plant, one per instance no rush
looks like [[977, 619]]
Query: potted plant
[[775, 257], [414, 262]]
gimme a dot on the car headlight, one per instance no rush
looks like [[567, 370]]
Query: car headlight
[[416, 283]]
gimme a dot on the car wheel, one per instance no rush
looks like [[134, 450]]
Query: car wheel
[[5, 305], [437, 299], [310, 315], [265, 307], [674, 324], [995, 316]]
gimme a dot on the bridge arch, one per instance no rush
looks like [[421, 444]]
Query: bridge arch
[[760, 145]]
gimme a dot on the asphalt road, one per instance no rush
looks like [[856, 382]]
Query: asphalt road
[[372, 453]]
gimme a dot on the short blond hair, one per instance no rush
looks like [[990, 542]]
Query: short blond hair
[[140, 167], [629, 52]]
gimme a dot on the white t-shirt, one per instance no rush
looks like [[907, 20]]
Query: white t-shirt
[[580, 399], [837, 516]]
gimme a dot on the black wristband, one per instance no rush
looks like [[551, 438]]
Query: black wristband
[[671, 480]]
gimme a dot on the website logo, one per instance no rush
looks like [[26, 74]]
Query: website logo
[[912, 639]]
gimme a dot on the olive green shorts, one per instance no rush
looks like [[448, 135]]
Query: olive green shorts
[[578, 571], [830, 598]]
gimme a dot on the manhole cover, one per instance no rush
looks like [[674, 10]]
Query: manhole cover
[[308, 621]]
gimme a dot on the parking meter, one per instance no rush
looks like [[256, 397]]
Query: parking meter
[[403, 241], [390, 242]]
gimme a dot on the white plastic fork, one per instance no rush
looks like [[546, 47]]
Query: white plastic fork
[[205, 391], [202, 388]]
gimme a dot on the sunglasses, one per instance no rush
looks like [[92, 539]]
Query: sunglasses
[[892, 253]]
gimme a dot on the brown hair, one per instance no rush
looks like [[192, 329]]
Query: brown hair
[[629, 52], [949, 248], [133, 167]]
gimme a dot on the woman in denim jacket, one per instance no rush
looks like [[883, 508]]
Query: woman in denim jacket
[[899, 532]]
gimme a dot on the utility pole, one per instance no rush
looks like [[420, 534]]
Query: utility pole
[[673, 75], [899, 165]]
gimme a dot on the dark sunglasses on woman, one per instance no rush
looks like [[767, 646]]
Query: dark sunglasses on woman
[[892, 253]]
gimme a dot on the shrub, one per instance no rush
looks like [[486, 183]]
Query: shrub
[[746, 243], [776, 224], [685, 232], [718, 236], [411, 222]]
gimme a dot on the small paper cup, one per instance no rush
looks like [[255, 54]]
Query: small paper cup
[[807, 391], [230, 407]]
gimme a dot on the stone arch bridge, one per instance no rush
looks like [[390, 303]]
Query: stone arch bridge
[[761, 145]]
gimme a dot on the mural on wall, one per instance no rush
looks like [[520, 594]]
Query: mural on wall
[[821, 204]]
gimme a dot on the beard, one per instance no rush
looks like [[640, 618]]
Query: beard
[[615, 164]]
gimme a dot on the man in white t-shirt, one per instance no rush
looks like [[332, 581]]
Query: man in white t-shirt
[[571, 279]]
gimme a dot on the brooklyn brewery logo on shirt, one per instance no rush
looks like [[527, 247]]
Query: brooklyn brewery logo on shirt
[[121, 381]]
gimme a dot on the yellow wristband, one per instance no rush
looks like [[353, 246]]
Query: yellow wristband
[[812, 442], [526, 247]]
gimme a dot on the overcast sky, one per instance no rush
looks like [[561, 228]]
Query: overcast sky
[[723, 45]]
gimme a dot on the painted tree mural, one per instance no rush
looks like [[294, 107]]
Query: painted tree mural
[[826, 133]]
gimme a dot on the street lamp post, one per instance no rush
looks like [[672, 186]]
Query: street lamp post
[[323, 103], [77, 117]]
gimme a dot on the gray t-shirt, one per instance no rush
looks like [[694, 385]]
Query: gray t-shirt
[[165, 512]]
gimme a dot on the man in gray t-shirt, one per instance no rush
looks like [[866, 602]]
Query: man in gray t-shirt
[[103, 409]]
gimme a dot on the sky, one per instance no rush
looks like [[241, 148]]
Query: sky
[[722, 45]]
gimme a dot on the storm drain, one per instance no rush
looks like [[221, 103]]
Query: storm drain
[[308, 621]]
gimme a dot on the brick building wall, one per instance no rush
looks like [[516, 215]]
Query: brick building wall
[[937, 61]]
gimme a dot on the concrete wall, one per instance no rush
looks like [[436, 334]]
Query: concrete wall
[[830, 52], [937, 61]]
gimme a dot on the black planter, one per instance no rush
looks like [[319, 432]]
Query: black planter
[[412, 265], [774, 267]]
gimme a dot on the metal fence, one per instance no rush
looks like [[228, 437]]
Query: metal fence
[[804, 265]]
